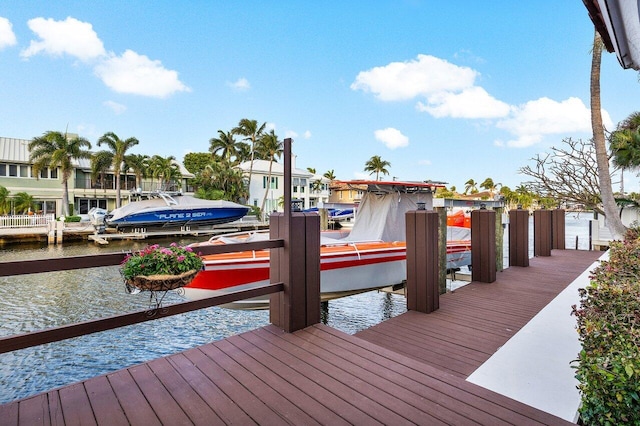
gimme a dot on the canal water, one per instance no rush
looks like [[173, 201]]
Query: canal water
[[39, 301]]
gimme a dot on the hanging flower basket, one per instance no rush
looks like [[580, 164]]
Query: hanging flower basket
[[161, 282], [158, 268]]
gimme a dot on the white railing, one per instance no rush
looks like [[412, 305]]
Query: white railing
[[26, 221]]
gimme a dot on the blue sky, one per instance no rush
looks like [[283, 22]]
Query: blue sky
[[445, 91]]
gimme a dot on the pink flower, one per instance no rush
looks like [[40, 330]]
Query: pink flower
[[181, 258]]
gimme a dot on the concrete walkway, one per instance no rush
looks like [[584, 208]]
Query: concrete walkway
[[534, 366]]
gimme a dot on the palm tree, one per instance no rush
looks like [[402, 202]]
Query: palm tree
[[54, 149], [490, 186], [164, 169], [330, 174], [100, 163], [311, 170], [252, 132], [5, 201], [23, 203], [470, 185], [377, 165], [225, 144], [118, 149], [624, 143], [269, 147], [139, 164], [614, 222]]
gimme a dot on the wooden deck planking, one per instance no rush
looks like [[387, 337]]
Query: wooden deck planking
[[475, 320], [407, 370]]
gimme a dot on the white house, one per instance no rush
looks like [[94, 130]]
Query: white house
[[310, 188]]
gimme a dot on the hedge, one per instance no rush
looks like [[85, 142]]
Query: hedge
[[608, 322]]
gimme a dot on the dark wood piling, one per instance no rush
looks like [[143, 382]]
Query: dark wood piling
[[483, 245], [423, 261], [519, 237], [542, 235]]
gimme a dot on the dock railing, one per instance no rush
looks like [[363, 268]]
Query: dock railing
[[289, 277], [22, 267], [26, 221]]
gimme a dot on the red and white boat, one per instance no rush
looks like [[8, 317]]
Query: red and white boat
[[368, 258]]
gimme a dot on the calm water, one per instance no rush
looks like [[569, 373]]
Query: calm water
[[35, 302]]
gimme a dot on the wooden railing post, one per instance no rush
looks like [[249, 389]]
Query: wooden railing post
[[483, 245], [557, 229], [519, 237], [297, 265], [542, 232], [423, 261]]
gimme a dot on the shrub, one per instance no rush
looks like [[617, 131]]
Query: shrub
[[69, 219], [608, 366]]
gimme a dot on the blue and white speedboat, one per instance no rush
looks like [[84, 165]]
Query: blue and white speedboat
[[168, 211]]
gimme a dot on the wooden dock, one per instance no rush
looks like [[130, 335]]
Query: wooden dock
[[408, 370]]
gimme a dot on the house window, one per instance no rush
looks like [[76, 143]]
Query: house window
[[302, 189], [295, 189], [24, 171], [3, 169], [54, 173], [44, 173], [13, 170]]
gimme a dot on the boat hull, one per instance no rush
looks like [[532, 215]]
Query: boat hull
[[175, 217], [343, 270]]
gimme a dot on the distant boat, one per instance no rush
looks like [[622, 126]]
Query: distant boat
[[336, 215], [168, 211]]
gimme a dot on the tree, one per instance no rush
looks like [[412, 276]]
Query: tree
[[100, 163], [470, 185], [165, 170], [54, 149], [331, 175], [624, 143], [118, 149], [224, 146], [195, 162], [139, 164], [23, 203], [5, 201], [614, 223], [311, 170], [270, 147], [568, 173], [490, 186], [252, 132], [377, 165]]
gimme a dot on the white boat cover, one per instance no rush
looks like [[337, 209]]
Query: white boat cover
[[382, 216]]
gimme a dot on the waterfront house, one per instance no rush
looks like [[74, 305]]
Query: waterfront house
[[85, 192], [311, 189]]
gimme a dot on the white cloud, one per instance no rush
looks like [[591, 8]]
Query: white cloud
[[241, 84], [115, 107], [444, 89], [269, 127], [71, 37], [423, 76], [307, 134], [530, 122], [424, 162], [290, 134], [391, 137], [473, 102], [137, 74], [7, 37]]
